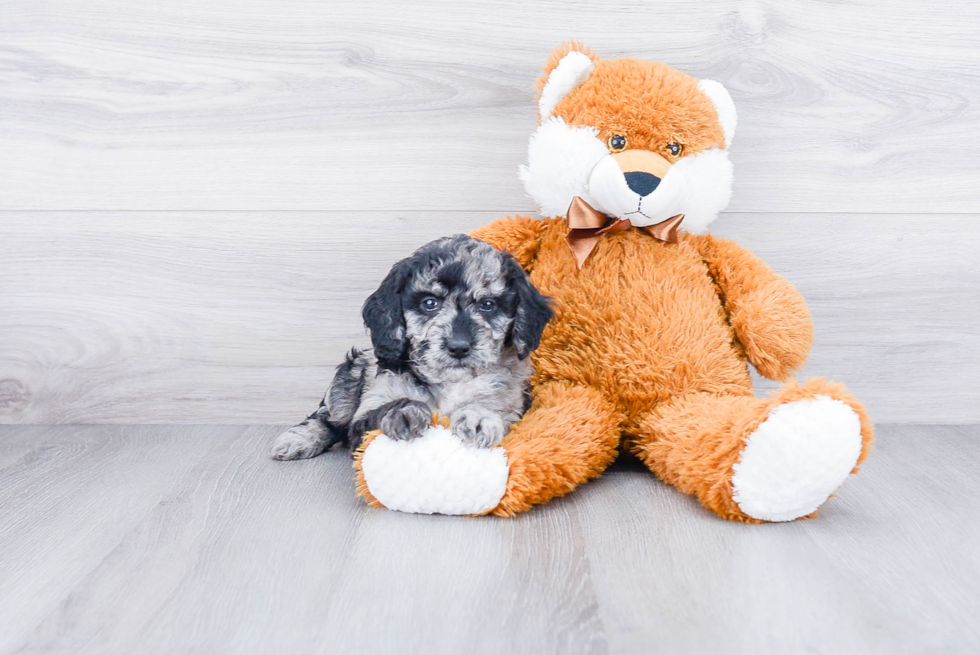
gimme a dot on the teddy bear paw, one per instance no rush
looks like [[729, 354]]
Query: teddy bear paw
[[796, 459], [436, 473]]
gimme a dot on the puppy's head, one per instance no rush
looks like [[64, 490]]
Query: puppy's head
[[454, 308]]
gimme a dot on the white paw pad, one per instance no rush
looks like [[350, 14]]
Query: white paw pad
[[796, 458], [435, 474]]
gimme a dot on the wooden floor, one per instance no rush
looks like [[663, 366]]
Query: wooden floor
[[157, 539]]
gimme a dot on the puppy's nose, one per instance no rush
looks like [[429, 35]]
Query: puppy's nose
[[641, 183], [458, 348]]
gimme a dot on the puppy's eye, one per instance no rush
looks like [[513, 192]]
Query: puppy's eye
[[617, 143], [487, 305], [674, 148], [430, 304]]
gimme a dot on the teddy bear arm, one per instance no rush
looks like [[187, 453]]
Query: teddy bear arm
[[520, 236], [768, 314]]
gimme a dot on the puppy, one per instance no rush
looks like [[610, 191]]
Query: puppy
[[452, 327]]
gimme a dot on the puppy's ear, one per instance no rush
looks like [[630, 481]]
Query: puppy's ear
[[382, 314], [533, 309]]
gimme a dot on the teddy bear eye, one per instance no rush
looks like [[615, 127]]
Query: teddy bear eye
[[617, 143], [674, 148]]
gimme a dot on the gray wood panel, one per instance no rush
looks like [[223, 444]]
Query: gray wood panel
[[219, 317], [188, 540], [69, 501], [887, 567], [288, 104]]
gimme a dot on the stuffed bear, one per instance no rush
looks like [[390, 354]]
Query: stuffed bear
[[655, 318]]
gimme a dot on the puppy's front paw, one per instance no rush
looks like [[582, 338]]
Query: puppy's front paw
[[484, 429], [299, 442], [406, 419]]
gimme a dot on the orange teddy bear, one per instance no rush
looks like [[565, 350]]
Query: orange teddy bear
[[655, 318]]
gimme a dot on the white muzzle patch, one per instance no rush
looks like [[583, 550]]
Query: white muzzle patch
[[566, 161]]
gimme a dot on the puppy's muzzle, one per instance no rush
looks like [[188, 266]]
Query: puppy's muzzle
[[461, 340]]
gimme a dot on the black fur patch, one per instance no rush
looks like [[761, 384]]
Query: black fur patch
[[464, 327], [434, 255], [528, 398], [383, 315], [531, 310], [451, 275]]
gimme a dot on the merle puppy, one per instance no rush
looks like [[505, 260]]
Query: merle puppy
[[452, 327]]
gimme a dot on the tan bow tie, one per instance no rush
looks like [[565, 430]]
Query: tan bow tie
[[587, 224]]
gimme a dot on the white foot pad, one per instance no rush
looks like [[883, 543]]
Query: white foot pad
[[435, 474], [796, 458]]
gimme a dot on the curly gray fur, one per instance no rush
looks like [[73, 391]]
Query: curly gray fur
[[452, 327]]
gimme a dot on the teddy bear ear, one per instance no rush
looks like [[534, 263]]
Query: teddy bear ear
[[570, 64], [723, 105]]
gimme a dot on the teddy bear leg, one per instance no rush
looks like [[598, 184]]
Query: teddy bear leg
[[570, 435], [753, 460]]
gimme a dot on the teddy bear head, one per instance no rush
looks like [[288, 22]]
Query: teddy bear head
[[634, 139]]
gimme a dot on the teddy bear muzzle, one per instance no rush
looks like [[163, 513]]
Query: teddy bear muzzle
[[643, 170], [634, 184], [636, 161]]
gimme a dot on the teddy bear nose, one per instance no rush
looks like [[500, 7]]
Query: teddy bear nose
[[642, 183]]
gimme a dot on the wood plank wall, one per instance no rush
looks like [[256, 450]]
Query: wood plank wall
[[196, 197]]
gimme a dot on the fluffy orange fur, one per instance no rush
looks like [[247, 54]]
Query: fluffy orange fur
[[650, 342], [360, 482], [649, 102], [648, 349]]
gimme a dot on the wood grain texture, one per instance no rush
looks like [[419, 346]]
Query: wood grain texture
[[68, 502], [288, 104], [188, 540], [887, 567], [229, 316]]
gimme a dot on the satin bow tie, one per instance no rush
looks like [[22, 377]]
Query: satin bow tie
[[587, 224]]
